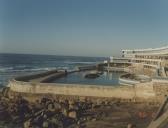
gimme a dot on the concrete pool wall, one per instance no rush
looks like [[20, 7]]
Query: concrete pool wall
[[154, 90], [132, 79], [125, 92]]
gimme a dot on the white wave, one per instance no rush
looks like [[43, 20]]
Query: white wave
[[11, 69], [3, 69], [79, 62], [33, 69], [42, 69]]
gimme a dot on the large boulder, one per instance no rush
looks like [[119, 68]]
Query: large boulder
[[72, 114]]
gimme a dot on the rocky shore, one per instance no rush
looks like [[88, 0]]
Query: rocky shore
[[45, 111]]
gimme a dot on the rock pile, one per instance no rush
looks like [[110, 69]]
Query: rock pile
[[49, 113], [58, 111]]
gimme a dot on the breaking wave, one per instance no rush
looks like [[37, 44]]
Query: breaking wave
[[79, 62], [11, 69]]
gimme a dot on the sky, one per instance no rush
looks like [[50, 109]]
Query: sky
[[82, 27]]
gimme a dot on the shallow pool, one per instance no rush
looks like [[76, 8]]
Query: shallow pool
[[106, 78]]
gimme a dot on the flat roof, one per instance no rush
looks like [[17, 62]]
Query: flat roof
[[147, 49]]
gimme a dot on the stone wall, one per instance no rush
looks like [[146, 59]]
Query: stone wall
[[123, 92], [160, 86]]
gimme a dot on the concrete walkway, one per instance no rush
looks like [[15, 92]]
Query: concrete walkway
[[48, 78]]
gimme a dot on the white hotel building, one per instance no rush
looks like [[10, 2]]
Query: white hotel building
[[152, 59]]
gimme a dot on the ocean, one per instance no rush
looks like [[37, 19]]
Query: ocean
[[12, 65]]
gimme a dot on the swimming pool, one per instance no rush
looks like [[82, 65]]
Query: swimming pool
[[106, 78]]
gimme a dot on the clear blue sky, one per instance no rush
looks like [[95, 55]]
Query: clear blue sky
[[82, 27]]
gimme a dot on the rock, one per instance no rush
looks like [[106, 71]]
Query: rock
[[92, 75], [38, 120], [82, 99], [78, 122], [56, 123], [74, 126], [54, 120], [51, 107], [5, 91], [6, 115], [72, 114], [2, 108], [45, 116], [26, 124], [57, 106], [45, 124], [93, 119], [71, 106], [45, 100], [64, 111], [70, 102], [74, 107], [98, 102], [89, 118], [131, 126]]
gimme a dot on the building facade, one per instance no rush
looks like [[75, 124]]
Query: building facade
[[154, 59]]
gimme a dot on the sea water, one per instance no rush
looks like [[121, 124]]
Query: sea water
[[12, 65]]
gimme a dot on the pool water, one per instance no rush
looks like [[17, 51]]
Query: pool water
[[107, 78]]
